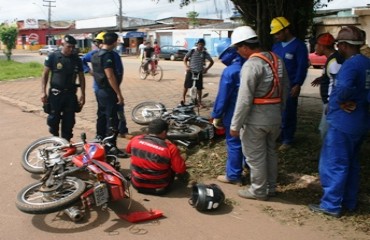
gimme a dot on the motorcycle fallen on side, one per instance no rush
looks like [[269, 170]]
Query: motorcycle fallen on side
[[185, 126], [73, 183], [33, 157]]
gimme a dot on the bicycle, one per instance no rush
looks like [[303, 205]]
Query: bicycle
[[193, 90], [154, 70]]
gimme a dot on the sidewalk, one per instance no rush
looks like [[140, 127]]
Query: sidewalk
[[26, 93]]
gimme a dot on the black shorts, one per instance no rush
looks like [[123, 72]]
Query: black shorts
[[189, 81]]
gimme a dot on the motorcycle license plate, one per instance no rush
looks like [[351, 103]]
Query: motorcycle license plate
[[101, 195]]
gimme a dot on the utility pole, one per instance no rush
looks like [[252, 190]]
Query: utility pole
[[49, 2], [120, 16]]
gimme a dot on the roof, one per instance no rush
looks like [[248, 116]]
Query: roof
[[88, 30]]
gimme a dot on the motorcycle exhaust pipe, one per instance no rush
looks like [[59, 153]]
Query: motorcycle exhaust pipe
[[183, 142], [74, 213]]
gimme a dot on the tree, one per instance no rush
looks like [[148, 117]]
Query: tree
[[259, 13], [8, 35], [193, 21]]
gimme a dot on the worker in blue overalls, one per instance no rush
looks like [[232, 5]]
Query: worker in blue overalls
[[223, 110]]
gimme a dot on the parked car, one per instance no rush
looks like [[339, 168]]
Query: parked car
[[316, 61], [173, 52], [48, 49]]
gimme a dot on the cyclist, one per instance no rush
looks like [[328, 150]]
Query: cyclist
[[148, 54], [194, 63]]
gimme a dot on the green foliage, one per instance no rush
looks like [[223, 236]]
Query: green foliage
[[193, 21], [15, 70], [8, 35]]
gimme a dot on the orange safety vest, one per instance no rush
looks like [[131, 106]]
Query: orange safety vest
[[268, 99]]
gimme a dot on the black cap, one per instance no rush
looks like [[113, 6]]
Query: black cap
[[69, 39], [201, 40]]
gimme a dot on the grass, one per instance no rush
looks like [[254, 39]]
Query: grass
[[14, 70], [300, 162]]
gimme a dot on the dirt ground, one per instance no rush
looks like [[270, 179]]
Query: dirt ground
[[283, 217]]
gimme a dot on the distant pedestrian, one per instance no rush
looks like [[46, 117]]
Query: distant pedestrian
[[194, 62], [157, 49], [60, 101], [295, 55], [141, 51]]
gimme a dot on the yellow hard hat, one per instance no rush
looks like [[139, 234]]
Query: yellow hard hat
[[100, 36], [278, 24]]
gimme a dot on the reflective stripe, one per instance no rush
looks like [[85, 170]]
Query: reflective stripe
[[268, 99]]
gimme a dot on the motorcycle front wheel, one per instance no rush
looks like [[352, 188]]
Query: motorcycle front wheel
[[37, 198], [32, 161], [145, 112]]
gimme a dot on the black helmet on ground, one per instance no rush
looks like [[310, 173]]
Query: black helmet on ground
[[206, 197]]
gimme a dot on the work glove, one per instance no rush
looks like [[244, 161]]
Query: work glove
[[217, 123]]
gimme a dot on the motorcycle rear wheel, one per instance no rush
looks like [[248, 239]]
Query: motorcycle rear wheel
[[32, 161], [145, 112], [186, 133], [37, 199]]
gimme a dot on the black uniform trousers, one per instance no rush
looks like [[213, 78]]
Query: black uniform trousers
[[62, 111]]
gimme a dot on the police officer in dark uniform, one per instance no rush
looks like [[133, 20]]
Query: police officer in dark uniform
[[108, 94], [60, 101]]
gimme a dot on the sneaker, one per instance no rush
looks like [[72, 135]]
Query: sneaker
[[224, 179], [316, 208], [284, 147], [118, 153], [126, 135], [245, 193]]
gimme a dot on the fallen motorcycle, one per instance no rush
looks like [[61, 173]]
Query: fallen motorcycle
[[34, 156], [184, 123], [73, 183]]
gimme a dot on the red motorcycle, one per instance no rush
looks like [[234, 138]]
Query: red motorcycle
[[73, 177]]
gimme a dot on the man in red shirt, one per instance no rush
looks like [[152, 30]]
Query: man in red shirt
[[154, 160]]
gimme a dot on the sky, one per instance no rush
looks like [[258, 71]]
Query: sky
[[148, 9], [85, 9]]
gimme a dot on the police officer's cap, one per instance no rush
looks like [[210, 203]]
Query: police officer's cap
[[69, 39]]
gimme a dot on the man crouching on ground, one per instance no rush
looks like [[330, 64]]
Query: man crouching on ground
[[154, 160]]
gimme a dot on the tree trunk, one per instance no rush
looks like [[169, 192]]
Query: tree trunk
[[259, 13]]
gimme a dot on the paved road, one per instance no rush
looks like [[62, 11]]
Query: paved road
[[22, 121]]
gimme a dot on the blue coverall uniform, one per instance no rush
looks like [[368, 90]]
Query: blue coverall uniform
[[295, 56], [339, 161], [224, 108]]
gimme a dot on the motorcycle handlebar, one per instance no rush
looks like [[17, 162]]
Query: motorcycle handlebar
[[78, 144]]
